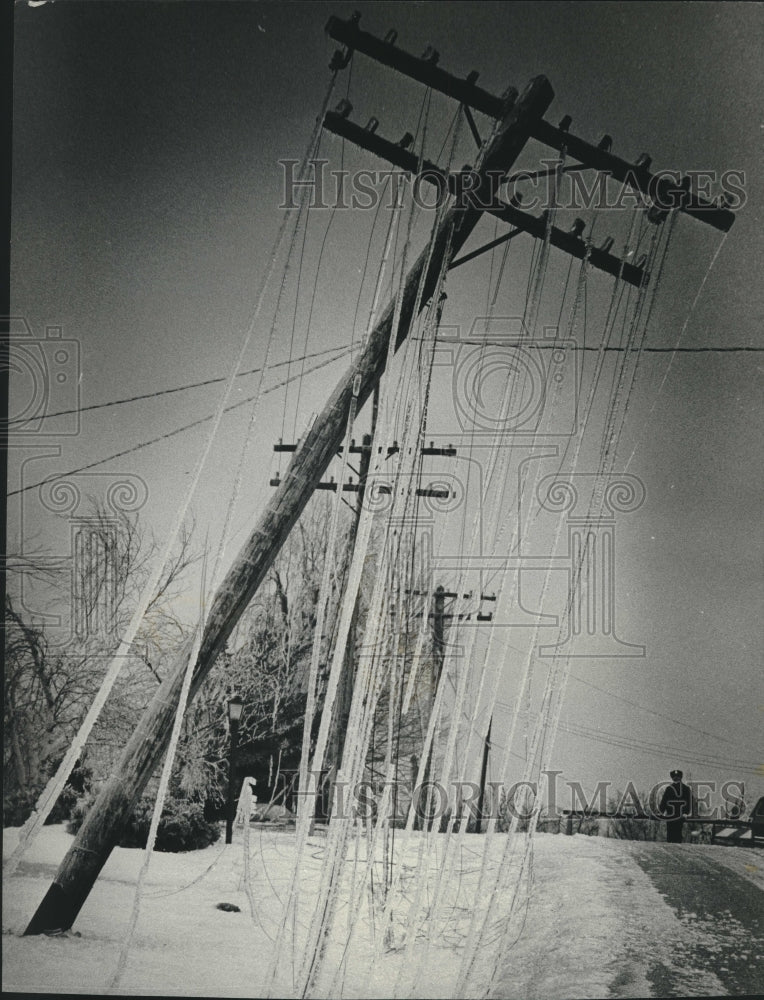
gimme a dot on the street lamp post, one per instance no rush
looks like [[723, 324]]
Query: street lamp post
[[235, 708]]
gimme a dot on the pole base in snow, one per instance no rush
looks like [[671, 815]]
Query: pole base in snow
[[55, 914]]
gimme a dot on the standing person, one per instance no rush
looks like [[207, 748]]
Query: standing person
[[676, 803]]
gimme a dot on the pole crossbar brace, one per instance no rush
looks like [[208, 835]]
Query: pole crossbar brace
[[472, 125], [485, 248], [467, 616], [359, 449], [667, 193], [380, 487], [460, 185], [451, 594]]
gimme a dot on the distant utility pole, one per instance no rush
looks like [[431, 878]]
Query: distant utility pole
[[439, 618]]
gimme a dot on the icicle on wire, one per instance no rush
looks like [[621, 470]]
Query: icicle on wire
[[477, 928], [472, 935], [628, 375], [376, 680], [164, 782], [188, 675], [360, 546], [627, 370], [554, 683], [374, 614], [49, 796], [679, 339], [451, 743]]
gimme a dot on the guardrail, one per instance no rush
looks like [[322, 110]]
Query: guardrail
[[733, 832]]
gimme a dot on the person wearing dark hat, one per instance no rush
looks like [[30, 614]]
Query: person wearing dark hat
[[676, 803]]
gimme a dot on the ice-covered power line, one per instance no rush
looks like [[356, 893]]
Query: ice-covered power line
[[173, 433], [339, 351], [656, 749]]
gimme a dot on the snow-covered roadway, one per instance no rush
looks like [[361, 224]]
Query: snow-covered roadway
[[598, 918]]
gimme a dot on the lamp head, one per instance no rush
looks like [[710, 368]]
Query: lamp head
[[235, 708]]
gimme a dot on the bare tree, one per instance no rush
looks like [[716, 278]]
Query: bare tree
[[49, 687], [267, 665]]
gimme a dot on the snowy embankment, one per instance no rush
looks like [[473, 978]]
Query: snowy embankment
[[587, 923]]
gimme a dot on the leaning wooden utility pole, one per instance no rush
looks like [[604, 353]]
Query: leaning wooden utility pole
[[105, 821]]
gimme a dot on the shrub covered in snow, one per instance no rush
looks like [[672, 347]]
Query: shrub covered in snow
[[19, 803], [181, 828]]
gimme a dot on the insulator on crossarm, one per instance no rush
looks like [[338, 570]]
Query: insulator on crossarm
[[406, 141], [578, 227], [430, 55], [607, 246], [605, 143], [372, 125], [344, 108], [565, 123], [391, 37], [472, 78], [341, 58], [644, 161]]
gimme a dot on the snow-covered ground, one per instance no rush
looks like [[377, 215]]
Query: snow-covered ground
[[588, 922]]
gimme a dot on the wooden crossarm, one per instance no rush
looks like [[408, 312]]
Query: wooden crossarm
[[659, 187], [460, 185]]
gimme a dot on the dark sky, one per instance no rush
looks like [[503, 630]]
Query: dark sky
[[146, 193]]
